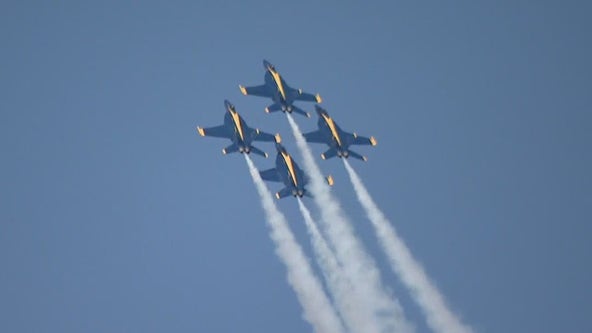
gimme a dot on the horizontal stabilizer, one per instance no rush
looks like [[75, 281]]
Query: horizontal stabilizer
[[258, 151], [356, 155], [332, 152], [230, 149], [298, 110], [273, 108], [285, 192]]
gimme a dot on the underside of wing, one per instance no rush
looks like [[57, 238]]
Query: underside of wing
[[354, 139], [315, 137], [270, 175], [221, 131], [261, 90], [263, 136], [299, 95]]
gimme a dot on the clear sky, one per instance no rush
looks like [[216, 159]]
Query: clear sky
[[115, 216]]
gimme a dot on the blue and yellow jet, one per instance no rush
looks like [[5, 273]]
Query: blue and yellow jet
[[236, 129], [289, 173], [338, 140], [277, 89]]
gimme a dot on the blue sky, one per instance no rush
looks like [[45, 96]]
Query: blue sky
[[116, 216]]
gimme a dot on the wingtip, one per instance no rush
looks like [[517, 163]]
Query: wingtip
[[243, 89], [308, 115], [266, 110], [278, 138], [266, 155], [373, 141], [201, 131], [323, 155], [277, 195], [330, 180], [365, 159], [224, 151], [318, 98]]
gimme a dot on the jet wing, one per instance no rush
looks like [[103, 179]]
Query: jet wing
[[299, 95], [315, 136], [261, 90], [259, 135], [270, 175], [354, 139], [221, 131]]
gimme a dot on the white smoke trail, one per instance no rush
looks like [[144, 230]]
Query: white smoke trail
[[337, 282], [386, 314], [427, 296], [318, 310]]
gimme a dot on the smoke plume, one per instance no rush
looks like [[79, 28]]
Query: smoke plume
[[426, 295]]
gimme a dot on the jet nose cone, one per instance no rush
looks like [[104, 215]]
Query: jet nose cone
[[279, 147], [228, 105], [268, 65], [320, 110]]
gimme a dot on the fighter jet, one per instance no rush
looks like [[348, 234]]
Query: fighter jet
[[338, 140], [236, 129], [289, 173], [277, 89]]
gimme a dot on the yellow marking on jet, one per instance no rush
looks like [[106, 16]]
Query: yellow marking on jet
[[278, 82], [332, 127], [330, 180], [201, 131], [237, 123], [373, 141], [319, 99], [278, 138], [289, 163], [242, 89]]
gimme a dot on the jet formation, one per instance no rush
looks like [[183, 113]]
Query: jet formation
[[286, 170]]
